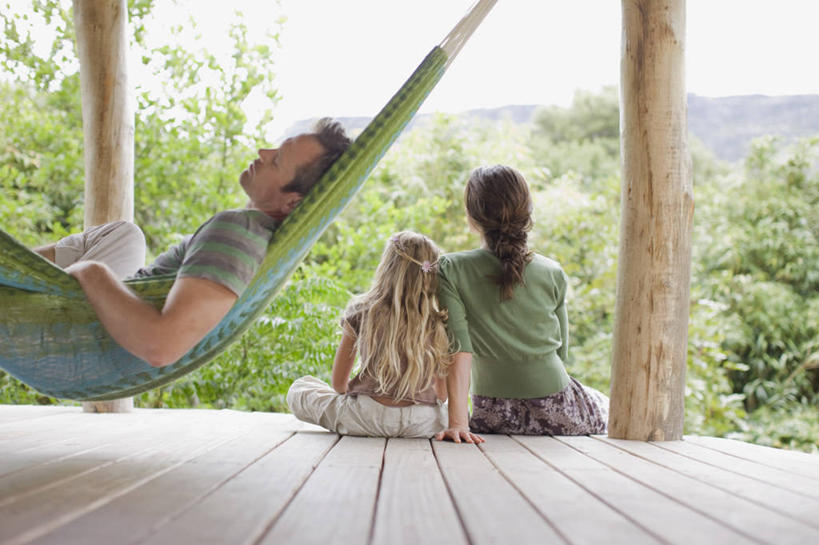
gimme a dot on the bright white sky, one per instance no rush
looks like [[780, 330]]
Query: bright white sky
[[347, 57]]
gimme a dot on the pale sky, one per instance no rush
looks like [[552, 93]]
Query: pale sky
[[347, 57]]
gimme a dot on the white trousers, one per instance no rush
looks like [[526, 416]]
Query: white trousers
[[313, 400], [119, 244]]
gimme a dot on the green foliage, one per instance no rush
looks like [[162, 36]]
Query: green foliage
[[794, 426], [22, 55], [192, 135], [757, 254], [14, 392], [711, 406], [42, 166], [350, 251], [592, 116], [583, 139], [579, 230]]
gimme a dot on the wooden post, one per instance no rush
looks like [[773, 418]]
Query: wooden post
[[653, 277], [108, 123]]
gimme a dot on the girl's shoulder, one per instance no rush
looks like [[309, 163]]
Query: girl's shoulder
[[354, 314]]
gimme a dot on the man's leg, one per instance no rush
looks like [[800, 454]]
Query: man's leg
[[46, 251], [119, 244]]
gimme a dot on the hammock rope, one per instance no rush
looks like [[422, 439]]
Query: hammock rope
[[53, 341]]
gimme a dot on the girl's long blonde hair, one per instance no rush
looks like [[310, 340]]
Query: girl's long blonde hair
[[402, 329]]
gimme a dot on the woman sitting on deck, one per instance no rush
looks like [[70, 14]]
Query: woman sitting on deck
[[509, 325], [398, 332]]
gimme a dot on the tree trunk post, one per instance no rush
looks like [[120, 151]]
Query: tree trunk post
[[108, 123], [653, 276]]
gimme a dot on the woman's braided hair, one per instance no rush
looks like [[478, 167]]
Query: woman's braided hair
[[499, 204]]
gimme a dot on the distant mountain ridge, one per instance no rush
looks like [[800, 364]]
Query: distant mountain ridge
[[726, 125]]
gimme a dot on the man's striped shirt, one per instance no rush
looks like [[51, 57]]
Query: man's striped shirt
[[226, 249]]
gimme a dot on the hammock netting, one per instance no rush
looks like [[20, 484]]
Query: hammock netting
[[51, 337]]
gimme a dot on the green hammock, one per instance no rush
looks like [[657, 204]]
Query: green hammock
[[50, 337]]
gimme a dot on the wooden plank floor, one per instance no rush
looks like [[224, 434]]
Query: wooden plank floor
[[224, 477]]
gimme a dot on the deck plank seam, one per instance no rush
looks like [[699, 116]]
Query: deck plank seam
[[43, 445], [711, 484], [77, 431], [764, 481], [755, 461], [70, 516], [59, 482], [467, 534], [52, 461], [525, 496], [30, 418], [27, 429], [675, 499], [278, 515], [622, 513], [371, 533], [155, 528], [103, 465]]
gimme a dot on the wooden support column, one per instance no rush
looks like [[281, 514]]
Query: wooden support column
[[653, 277], [108, 123]]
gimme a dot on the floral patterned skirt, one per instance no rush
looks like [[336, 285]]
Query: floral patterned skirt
[[574, 410]]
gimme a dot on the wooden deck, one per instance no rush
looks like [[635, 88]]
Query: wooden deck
[[224, 477]]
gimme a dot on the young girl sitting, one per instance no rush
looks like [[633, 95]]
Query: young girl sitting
[[399, 334]]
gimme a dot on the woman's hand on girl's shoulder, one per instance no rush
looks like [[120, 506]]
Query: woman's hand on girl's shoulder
[[459, 435]]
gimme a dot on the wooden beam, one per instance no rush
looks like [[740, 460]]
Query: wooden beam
[[107, 110], [108, 123], [653, 277]]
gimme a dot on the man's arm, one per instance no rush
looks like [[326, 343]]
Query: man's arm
[[193, 307]]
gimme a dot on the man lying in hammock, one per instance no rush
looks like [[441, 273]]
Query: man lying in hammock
[[213, 266]]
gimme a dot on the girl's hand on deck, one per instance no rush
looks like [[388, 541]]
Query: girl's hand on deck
[[459, 435]]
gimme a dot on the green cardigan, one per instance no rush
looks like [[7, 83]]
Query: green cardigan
[[519, 345]]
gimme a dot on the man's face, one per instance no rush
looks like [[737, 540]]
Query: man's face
[[275, 168]]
